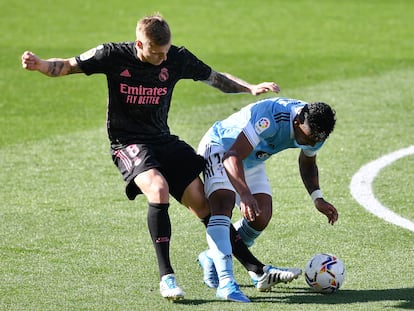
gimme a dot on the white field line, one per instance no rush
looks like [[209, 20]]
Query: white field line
[[361, 188]]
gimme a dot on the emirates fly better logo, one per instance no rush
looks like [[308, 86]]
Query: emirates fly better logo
[[143, 95]]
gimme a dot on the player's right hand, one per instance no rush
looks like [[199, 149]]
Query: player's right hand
[[249, 207], [30, 61]]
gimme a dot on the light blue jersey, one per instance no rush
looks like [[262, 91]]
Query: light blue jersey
[[267, 124]]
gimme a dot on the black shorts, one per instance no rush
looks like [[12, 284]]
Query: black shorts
[[177, 161]]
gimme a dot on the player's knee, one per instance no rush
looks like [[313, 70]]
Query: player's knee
[[261, 221], [154, 187]]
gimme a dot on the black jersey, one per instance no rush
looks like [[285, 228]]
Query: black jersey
[[139, 94]]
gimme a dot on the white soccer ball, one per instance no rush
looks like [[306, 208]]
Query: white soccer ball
[[325, 273]]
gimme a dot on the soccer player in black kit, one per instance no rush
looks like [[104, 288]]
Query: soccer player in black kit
[[141, 76]]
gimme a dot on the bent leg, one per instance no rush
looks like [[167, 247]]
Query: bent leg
[[154, 186], [159, 227], [218, 234], [194, 199], [249, 231]]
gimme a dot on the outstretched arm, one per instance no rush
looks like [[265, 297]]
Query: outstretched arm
[[230, 84], [310, 177], [54, 67]]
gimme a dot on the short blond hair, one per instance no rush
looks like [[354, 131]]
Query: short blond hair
[[155, 29]]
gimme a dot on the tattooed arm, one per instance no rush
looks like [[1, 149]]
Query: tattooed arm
[[54, 67], [230, 84]]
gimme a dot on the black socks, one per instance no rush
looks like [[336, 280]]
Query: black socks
[[159, 226]]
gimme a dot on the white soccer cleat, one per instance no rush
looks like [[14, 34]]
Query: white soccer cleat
[[169, 288], [273, 275]]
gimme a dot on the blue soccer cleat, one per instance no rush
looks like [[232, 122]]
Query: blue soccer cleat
[[210, 276], [232, 292]]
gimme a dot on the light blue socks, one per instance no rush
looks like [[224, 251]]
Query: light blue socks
[[247, 233], [218, 239]]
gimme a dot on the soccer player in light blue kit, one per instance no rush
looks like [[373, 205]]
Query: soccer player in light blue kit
[[235, 150]]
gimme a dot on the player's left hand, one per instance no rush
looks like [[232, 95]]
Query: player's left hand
[[327, 209], [265, 87]]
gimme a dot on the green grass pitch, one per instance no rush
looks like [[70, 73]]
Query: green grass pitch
[[69, 238]]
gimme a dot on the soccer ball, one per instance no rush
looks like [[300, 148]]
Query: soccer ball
[[325, 273]]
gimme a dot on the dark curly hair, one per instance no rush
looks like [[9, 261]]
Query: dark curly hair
[[321, 119]]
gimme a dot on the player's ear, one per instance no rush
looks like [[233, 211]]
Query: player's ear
[[296, 121], [139, 44]]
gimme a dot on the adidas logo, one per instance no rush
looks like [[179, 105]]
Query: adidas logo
[[125, 73]]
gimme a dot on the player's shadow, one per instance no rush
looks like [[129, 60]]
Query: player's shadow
[[404, 297]]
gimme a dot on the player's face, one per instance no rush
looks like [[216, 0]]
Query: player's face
[[303, 135], [151, 53]]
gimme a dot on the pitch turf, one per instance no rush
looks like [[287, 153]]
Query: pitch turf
[[70, 240]]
